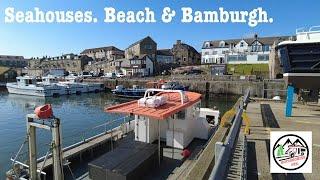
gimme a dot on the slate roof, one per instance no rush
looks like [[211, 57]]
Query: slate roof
[[263, 40], [146, 38], [164, 52], [107, 48]]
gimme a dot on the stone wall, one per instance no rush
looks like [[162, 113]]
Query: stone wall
[[258, 88]]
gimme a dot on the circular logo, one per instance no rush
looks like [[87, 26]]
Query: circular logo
[[290, 152]]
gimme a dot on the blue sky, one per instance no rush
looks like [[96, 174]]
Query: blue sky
[[54, 39]]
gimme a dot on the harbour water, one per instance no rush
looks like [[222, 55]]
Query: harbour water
[[80, 115]]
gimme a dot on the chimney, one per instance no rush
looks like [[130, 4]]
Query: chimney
[[255, 36], [178, 41]]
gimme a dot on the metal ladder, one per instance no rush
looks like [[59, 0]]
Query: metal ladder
[[237, 166]]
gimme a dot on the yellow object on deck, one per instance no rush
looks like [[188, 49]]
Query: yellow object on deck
[[229, 114], [246, 119]]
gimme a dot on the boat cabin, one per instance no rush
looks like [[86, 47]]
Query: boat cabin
[[26, 81], [173, 116], [300, 59], [49, 79]]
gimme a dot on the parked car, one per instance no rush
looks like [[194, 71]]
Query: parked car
[[109, 75], [85, 74], [120, 75]]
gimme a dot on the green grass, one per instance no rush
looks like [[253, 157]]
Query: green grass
[[248, 69]]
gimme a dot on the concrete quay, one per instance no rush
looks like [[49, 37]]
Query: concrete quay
[[304, 118]]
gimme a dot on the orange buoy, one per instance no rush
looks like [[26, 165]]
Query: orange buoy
[[44, 112]]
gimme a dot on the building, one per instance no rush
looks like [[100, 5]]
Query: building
[[108, 53], [13, 61], [140, 66], [69, 62], [254, 50], [185, 54], [7, 74], [165, 56], [145, 46], [165, 60]]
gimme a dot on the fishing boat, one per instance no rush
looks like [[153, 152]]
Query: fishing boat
[[134, 92], [173, 85], [27, 85], [51, 86], [137, 91], [168, 128], [300, 59]]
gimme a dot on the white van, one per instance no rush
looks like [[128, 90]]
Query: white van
[[109, 75]]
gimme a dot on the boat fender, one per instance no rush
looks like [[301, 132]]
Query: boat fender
[[185, 153]]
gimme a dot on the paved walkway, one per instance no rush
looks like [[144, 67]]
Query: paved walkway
[[305, 118]]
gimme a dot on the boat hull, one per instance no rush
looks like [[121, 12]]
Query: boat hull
[[43, 91]]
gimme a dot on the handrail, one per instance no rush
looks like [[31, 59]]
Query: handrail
[[165, 90], [225, 149]]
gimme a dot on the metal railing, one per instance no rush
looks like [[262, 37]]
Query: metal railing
[[223, 151]]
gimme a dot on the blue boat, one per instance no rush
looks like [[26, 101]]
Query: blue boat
[[134, 92]]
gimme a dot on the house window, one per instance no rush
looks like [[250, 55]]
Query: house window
[[184, 58], [264, 57], [237, 58], [241, 44]]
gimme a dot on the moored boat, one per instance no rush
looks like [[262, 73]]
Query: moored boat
[[28, 85], [300, 59], [137, 91]]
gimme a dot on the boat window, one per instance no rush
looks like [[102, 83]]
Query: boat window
[[181, 115]]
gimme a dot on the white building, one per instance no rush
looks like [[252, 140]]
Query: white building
[[254, 50], [137, 66]]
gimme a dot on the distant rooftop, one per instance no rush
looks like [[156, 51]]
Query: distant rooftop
[[263, 40], [107, 48], [148, 37], [164, 52]]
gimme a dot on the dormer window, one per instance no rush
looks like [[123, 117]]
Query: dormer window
[[222, 44], [207, 44]]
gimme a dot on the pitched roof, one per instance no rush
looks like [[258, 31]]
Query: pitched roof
[[146, 38], [187, 46], [263, 40], [107, 48], [164, 52]]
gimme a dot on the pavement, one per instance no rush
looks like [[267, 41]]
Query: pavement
[[304, 118]]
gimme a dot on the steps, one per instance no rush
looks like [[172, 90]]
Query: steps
[[238, 160]]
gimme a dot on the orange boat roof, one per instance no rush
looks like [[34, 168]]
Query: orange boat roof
[[172, 106]]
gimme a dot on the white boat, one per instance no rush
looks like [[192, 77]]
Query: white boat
[[76, 87], [27, 85]]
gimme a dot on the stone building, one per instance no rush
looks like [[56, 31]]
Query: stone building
[[108, 53], [185, 54], [13, 61], [275, 71], [145, 46], [7, 74], [69, 62]]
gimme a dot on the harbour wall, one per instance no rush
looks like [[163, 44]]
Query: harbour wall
[[266, 89]]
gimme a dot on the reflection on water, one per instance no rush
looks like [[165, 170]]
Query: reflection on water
[[79, 117]]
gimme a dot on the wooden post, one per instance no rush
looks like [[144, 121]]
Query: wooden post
[[32, 149]]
